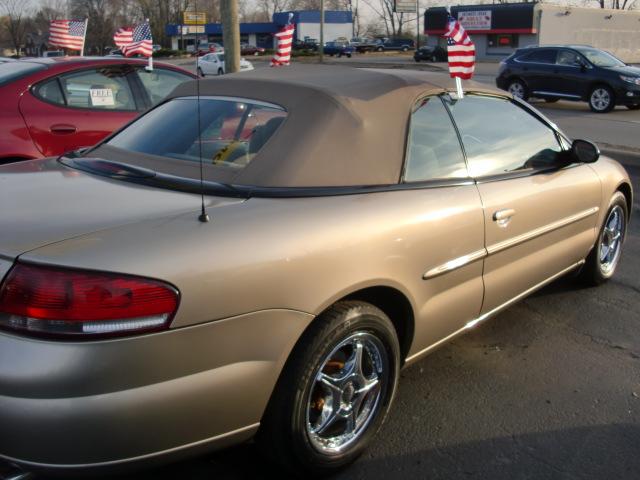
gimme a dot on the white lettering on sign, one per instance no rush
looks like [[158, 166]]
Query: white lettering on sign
[[101, 97], [475, 20]]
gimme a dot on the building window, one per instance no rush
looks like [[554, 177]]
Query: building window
[[502, 40]]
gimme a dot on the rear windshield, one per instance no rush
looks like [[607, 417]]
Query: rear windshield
[[232, 131], [10, 71]]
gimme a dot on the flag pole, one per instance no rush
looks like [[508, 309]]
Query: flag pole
[[84, 38], [459, 88], [150, 65]]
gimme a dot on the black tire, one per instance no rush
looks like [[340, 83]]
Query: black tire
[[434, 58], [597, 97], [634, 107], [220, 71], [405, 49], [284, 436], [593, 272], [348, 55], [200, 72], [416, 59], [518, 89], [380, 49]]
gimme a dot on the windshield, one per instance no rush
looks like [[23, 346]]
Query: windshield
[[232, 132], [10, 71], [600, 58]]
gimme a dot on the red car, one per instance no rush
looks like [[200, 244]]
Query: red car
[[246, 49], [54, 105]]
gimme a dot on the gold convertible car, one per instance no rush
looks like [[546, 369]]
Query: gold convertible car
[[259, 255]]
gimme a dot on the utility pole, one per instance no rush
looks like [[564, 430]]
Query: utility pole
[[230, 35], [321, 46], [417, 24]]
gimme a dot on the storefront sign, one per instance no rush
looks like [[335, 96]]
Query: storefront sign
[[404, 6], [475, 20], [191, 29], [194, 18]]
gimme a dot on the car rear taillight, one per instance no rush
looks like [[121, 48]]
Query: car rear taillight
[[68, 302]]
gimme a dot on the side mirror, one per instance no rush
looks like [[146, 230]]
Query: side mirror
[[585, 151]]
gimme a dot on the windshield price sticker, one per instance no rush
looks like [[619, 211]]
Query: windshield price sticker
[[101, 97]]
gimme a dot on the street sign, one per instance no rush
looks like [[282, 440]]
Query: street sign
[[194, 18], [404, 6]]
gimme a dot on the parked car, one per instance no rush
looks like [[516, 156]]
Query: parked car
[[402, 44], [333, 257], [247, 49], [54, 105], [338, 49], [430, 54], [53, 53], [309, 44], [209, 48], [213, 64], [571, 72], [363, 44]]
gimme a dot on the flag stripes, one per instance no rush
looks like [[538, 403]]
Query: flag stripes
[[284, 40], [67, 34], [461, 51]]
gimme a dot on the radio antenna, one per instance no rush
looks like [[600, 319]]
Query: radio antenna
[[204, 217]]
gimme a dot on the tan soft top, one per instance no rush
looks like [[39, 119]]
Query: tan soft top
[[345, 126]]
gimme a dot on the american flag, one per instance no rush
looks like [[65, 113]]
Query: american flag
[[123, 36], [67, 33], [136, 39], [284, 39], [461, 51]]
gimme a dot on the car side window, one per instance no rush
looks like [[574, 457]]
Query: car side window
[[159, 83], [541, 56], [99, 89], [50, 91], [433, 148], [568, 58], [500, 136]]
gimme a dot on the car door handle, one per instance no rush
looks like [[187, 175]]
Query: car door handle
[[63, 129], [503, 216]]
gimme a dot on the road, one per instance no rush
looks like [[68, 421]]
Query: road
[[549, 389]]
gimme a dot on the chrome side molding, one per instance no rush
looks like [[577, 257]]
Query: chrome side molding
[[455, 263], [525, 237], [472, 323]]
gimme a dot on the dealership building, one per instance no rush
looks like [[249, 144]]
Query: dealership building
[[498, 30], [337, 24]]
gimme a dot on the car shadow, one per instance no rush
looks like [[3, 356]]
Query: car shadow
[[549, 454]]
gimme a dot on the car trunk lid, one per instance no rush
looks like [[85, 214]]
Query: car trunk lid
[[43, 202]]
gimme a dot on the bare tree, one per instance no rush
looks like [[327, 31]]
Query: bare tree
[[618, 4], [16, 20], [394, 23]]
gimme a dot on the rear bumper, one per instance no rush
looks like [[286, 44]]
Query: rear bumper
[[114, 404]]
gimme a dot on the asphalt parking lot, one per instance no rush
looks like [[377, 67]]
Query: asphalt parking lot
[[549, 389]]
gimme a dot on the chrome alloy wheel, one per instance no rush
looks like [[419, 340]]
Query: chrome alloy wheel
[[346, 393], [517, 90], [600, 99], [610, 244]]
